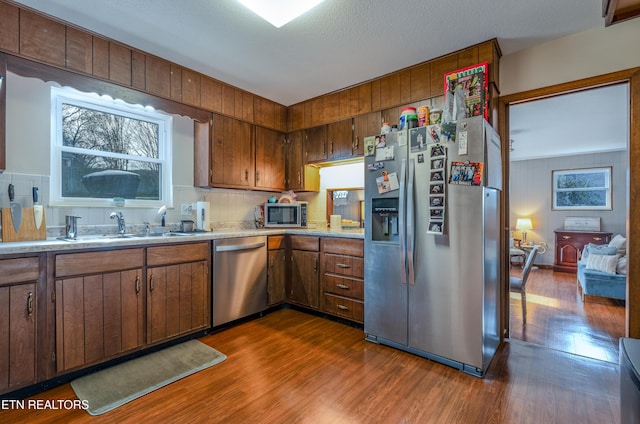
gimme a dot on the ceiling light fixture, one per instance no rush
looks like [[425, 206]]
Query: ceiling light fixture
[[279, 12]]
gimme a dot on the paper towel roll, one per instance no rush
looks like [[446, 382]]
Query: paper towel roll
[[335, 222]]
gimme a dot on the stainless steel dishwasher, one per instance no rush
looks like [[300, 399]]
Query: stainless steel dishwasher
[[239, 278]]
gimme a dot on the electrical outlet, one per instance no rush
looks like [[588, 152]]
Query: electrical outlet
[[186, 209]]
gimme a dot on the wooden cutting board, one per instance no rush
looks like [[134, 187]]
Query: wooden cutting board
[[28, 230]]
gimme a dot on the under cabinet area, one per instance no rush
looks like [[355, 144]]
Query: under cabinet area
[[178, 299], [343, 278], [18, 322], [99, 306]]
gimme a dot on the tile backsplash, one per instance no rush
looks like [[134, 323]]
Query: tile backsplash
[[230, 209]]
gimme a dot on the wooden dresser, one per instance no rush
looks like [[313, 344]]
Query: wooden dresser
[[569, 245]]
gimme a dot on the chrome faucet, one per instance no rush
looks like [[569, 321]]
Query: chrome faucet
[[121, 225]]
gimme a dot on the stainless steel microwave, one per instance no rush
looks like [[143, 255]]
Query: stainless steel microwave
[[286, 214]]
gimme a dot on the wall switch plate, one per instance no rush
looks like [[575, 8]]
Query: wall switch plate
[[186, 209]]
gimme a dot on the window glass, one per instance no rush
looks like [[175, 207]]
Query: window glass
[[104, 149]]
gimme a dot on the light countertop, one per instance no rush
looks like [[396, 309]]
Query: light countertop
[[100, 241]]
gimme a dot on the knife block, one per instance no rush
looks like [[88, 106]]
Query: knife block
[[28, 230]]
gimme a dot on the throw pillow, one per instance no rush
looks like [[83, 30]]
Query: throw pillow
[[602, 249], [603, 263], [622, 265], [619, 243]]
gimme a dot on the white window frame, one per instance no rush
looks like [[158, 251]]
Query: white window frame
[[605, 171], [108, 105]]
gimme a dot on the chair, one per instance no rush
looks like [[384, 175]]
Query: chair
[[519, 285]]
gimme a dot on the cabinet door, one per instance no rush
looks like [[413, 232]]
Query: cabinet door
[[276, 277], [315, 144], [98, 317], [17, 336], [364, 126], [339, 139], [270, 161], [304, 278], [178, 300], [295, 158], [231, 153]]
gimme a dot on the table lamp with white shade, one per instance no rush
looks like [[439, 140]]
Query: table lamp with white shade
[[524, 224]]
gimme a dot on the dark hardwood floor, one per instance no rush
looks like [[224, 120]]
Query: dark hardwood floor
[[557, 317], [292, 367]]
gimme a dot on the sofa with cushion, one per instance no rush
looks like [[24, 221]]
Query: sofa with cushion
[[602, 270]]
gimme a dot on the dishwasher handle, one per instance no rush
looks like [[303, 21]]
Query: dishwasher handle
[[238, 247]]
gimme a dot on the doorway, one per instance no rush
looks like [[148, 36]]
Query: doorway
[[544, 230]]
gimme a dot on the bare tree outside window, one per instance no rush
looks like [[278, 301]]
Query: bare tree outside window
[[106, 153]]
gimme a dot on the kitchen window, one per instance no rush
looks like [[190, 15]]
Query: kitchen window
[[106, 150], [582, 189]]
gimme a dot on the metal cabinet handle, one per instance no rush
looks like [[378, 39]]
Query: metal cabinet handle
[[246, 175], [257, 176], [343, 266], [137, 284], [30, 304], [299, 177], [151, 287], [566, 237], [344, 308], [597, 238], [342, 286], [357, 141], [315, 264], [331, 147]]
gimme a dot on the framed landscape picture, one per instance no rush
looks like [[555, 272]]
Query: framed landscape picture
[[581, 189]]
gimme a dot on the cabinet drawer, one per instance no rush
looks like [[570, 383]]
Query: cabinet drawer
[[343, 307], [98, 262], [349, 287], [305, 243], [176, 254], [344, 265], [18, 270], [343, 246], [275, 242]]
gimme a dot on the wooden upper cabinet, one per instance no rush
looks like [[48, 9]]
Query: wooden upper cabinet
[[158, 76], [315, 144], [264, 112], [232, 162], [405, 86], [211, 92], [247, 107], [270, 160], [390, 91], [348, 103], [228, 100], [9, 28], [100, 57], [467, 57], [331, 107], [79, 51], [317, 111], [364, 98], [238, 104], [439, 67], [375, 95], [138, 65], [420, 82], [340, 139], [190, 87], [176, 82], [364, 126], [490, 52], [119, 64], [296, 117], [42, 38]]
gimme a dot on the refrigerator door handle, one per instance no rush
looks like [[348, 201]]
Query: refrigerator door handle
[[401, 223], [411, 237]]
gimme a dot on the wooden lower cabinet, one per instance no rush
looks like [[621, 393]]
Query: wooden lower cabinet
[[104, 307], [305, 271], [276, 270], [18, 318], [178, 291], [99, 306], [343, 278], [569, 246]]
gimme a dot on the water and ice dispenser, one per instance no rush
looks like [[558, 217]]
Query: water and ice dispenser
[[384, 219]]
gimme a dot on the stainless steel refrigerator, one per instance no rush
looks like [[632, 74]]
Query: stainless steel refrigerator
[[432, 243]]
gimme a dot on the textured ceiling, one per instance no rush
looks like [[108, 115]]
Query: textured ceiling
[[337, 44]]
